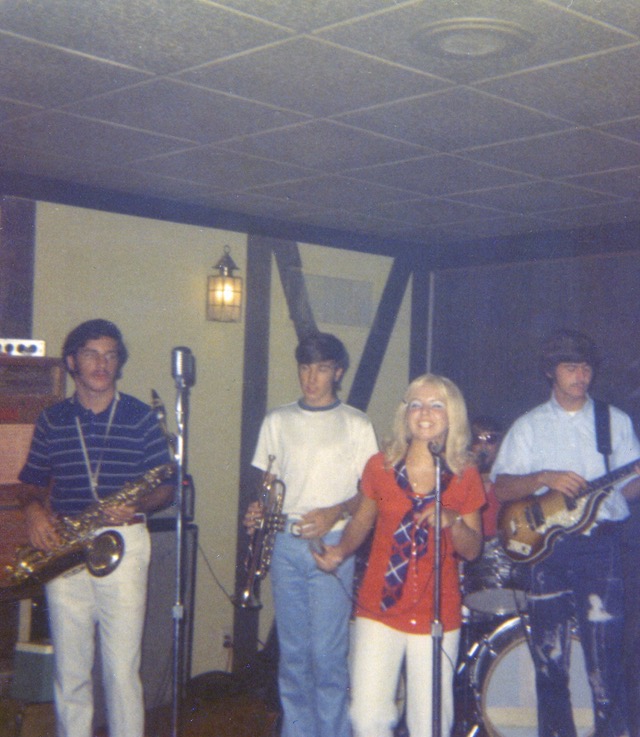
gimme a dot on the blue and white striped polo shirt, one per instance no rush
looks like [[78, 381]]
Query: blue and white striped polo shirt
[[133, 444]]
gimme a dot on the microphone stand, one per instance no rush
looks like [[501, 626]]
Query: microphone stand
[[183, 377], [436, 624]]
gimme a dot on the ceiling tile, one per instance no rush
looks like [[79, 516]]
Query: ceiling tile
[[621, 182], [586, 217], [159, 36], [590, 90], [9, 110], [533, 197], [210, 166], [428, 212], [176, 109], [84, 140], [623, 14], [453, 119], [560, 154], [307, 15], [295, 74], [334, 192], [629, 129], [326, 146], [46, 76], [439, 175]]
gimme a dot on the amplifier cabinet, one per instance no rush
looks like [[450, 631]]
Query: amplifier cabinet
[[27, 386]]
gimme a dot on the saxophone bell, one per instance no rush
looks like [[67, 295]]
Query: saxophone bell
[[104, 552]]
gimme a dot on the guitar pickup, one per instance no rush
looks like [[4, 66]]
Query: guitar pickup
[[538, 514]]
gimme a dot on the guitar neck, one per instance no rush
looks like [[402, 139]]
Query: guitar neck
[[610, 478]]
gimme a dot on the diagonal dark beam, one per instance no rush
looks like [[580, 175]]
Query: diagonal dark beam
[[419, 335], [380, 333], [289, 263]]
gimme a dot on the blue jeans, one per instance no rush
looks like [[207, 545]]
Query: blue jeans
[[580, 581], [312, 611]]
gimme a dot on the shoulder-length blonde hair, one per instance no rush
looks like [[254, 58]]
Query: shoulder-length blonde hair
[[458, 436]]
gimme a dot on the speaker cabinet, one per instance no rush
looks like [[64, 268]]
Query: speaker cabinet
[[27, 386], [158, 639]]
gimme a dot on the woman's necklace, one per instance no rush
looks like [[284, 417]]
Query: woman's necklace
[[421, 478], [95, 474]]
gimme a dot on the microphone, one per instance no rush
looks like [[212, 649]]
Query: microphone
[[182, 365]]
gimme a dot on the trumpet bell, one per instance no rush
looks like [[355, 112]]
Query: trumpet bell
[[248, 600]]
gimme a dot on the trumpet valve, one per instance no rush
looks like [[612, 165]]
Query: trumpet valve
[[276, 522]]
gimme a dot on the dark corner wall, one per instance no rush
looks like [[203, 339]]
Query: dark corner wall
[[490, 321], [17, 250]]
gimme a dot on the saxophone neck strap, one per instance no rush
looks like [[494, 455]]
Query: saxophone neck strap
[[94, 474]]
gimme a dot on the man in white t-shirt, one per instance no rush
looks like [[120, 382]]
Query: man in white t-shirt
[[319, 447]]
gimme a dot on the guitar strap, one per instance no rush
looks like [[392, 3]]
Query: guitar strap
[[603, 430]]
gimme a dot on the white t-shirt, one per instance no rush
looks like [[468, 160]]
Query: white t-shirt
[[319, 453]]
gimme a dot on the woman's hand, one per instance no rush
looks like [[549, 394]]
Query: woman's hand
[[329, 559], [427, 517]]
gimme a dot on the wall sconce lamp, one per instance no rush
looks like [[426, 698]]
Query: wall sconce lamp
[[224, 291]]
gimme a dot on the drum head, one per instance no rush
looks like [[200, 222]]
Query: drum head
[[504, 681], [489, 583]]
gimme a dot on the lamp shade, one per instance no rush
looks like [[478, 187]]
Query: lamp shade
[[224, 291]]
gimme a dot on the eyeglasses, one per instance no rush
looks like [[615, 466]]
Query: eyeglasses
[[88, 354], [487, 437], [415, 405]]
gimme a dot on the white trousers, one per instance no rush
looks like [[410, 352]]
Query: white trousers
[[78, 602], [378, 654]]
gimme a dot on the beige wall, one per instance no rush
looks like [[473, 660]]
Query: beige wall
[[149, 277]]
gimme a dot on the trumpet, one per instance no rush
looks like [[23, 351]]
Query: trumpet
[[263, 538]]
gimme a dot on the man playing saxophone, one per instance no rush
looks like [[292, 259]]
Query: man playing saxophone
[[319, 447], [85, 449]]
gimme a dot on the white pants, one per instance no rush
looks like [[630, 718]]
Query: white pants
[[378, 655], [77, 602]]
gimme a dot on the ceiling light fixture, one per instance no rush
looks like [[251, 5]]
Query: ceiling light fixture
[[473, 38]]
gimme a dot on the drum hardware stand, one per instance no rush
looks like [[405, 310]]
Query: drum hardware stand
[[436, 625], [183, 373]]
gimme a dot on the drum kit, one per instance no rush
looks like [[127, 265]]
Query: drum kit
[[494, 683]]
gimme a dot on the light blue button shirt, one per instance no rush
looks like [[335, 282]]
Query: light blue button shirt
[[550, 438]]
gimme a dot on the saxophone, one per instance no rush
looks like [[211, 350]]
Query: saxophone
[[80, 545], [263, 538]]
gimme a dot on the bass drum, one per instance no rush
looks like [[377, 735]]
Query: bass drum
[[503, 681]]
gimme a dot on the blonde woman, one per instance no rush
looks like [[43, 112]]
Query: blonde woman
[[395, 603]]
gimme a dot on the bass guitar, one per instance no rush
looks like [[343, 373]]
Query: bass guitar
[[529, 527]]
